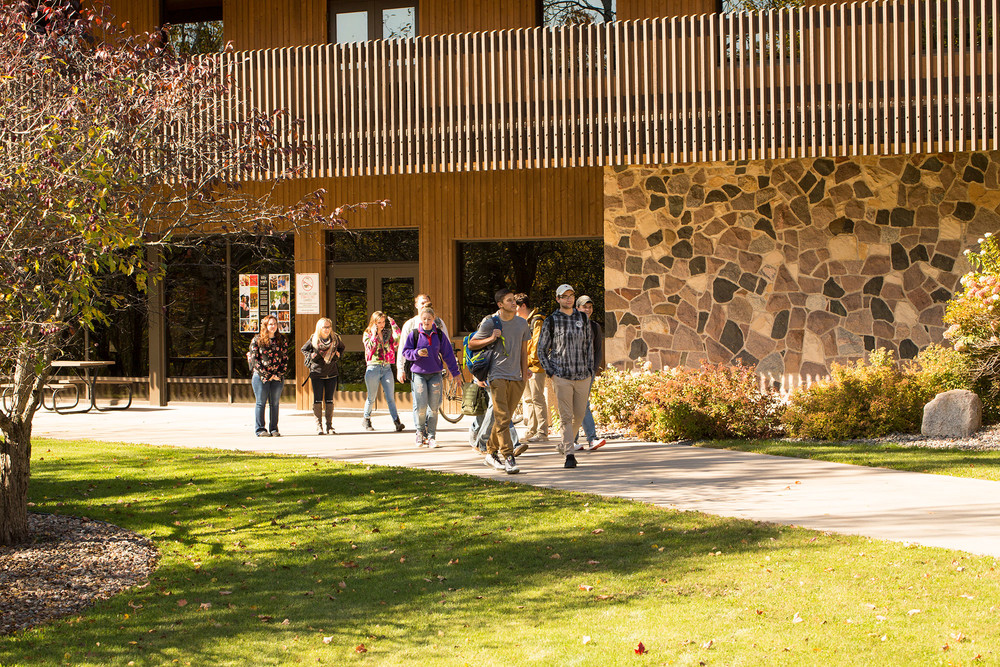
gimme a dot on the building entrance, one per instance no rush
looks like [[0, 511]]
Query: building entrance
[[355, 291]]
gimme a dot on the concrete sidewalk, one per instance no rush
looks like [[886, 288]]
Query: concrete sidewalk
[[932, 510]]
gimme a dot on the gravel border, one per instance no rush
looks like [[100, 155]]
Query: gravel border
[[69, 564]]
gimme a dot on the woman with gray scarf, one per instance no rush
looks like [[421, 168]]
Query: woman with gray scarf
[[321, 355]]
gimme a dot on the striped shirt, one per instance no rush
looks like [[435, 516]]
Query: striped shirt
[[566, 346]]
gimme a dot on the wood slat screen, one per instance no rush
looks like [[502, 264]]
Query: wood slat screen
[[834, 80]]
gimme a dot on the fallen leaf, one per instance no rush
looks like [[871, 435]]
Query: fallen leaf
[[598, 531], [640, 649], [327, 640], [555, 556], [182, 603], [593, 562], [584, 587], [586, 639], [285, 622], [360, 648], [225, 592], [604, 597], [912, 612], [205, 605], [796, 618]]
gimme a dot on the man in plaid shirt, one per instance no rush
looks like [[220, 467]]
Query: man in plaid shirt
[[566, 352]]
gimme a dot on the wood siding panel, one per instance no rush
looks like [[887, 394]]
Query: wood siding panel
[[265, 24], [454, 16], [629, 10]]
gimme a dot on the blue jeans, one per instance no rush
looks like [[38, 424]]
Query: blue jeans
[[482, 426], [589, 427], [426, 401], [266, 392], [375, 375]]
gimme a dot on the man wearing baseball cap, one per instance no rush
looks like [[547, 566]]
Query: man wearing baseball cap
[[566, 352]]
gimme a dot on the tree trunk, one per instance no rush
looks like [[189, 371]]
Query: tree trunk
[[15, 469]]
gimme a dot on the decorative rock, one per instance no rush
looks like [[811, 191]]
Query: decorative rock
[[952, 414]]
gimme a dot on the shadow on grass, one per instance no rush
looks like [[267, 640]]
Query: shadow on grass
[[355, 552]]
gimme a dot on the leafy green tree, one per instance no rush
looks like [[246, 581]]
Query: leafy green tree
[[109, 146]]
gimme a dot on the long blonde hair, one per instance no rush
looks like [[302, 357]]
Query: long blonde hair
[[319, 327], [262, 335], [373, 322]]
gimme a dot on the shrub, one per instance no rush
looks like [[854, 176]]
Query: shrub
[[715, 401], [974, 316], [859, 401], [939, 368], [617, 395]]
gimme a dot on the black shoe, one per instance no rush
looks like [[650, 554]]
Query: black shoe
[[399, 426], [275, 434], [366, 423], [570, 461], [510, 465], [520, 449], [263, 434]]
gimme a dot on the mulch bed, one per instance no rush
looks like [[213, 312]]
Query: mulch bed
[[69, 564]]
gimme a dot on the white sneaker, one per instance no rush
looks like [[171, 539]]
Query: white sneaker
[[577, 446], [432, 443], [493, 461], [597, 444]]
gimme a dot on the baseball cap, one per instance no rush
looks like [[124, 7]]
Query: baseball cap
[[583, 299], [564, 288]]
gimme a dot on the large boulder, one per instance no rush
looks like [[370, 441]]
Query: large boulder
[[953, 414]]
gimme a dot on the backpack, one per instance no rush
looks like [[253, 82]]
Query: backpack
[[478, 362], [474, 401]]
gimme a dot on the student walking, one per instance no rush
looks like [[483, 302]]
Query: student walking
[[536, 410], [380, 343], [566, 351], [321, 354], [420, 302], [429, 350], [586, 306], [268, 359], [508, 334]]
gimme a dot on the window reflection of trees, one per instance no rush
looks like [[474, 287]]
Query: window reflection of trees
[[533, 267]]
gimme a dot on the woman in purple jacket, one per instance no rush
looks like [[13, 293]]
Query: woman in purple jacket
[[425, 347]]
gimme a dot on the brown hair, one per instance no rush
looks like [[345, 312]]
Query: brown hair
[[262, 335]]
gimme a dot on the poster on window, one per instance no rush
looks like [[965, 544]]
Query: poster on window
[[279, 294], [249, 289]]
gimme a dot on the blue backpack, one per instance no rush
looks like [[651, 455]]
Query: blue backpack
[[478, 362]]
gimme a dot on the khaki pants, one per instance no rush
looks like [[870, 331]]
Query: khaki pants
[[536, 411], [572, 397], [505, 395]]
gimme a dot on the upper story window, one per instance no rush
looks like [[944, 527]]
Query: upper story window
[[565, 12], [195, 25], [360, 20]]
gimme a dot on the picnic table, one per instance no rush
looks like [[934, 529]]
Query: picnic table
[[72, 373]]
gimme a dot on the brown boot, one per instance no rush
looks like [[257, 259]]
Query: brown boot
[[318, 413], [329, 418]]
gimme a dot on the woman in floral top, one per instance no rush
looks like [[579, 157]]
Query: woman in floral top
[[268, 357], [380, 354]]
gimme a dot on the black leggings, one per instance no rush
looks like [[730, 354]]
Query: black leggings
[[323, 388]]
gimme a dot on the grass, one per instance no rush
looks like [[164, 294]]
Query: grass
[[271, 555], [953, 462]]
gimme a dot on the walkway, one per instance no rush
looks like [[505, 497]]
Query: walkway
[[932, 510]]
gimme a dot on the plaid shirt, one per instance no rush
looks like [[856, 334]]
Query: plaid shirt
[[566, 346]]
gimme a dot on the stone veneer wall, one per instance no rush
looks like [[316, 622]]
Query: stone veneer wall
[[789, 264]]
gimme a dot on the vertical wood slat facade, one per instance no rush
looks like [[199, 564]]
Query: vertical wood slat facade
[[783, 79]]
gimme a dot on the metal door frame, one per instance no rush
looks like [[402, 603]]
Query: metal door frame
[[373, 272]]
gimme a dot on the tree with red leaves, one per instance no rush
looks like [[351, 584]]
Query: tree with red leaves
[[110, 144]]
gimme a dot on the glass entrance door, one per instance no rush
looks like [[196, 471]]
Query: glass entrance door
[[356, 291]]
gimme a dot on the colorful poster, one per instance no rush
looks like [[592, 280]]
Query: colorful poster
[[249, 296], [279, 297]]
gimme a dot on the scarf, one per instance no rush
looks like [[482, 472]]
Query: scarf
[[324, 347]]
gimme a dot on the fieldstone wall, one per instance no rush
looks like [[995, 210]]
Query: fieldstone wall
[[789, 264]]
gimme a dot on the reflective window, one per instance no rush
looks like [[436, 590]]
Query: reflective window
[[197, 37], [566, 12], [395, 245], [352, 27], [399, 22], [533, 267]]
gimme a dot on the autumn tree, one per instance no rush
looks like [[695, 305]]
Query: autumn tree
[[109, 145]]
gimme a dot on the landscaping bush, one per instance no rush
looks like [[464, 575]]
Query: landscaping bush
[[860, 400], [974, 316], [715, 401], [941, 368]]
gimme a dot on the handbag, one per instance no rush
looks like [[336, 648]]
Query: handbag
[[474, 399]]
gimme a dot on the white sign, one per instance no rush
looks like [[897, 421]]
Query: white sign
[[307, 294]]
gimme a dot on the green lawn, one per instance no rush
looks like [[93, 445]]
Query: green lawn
[[270, 555], [957, 463]]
